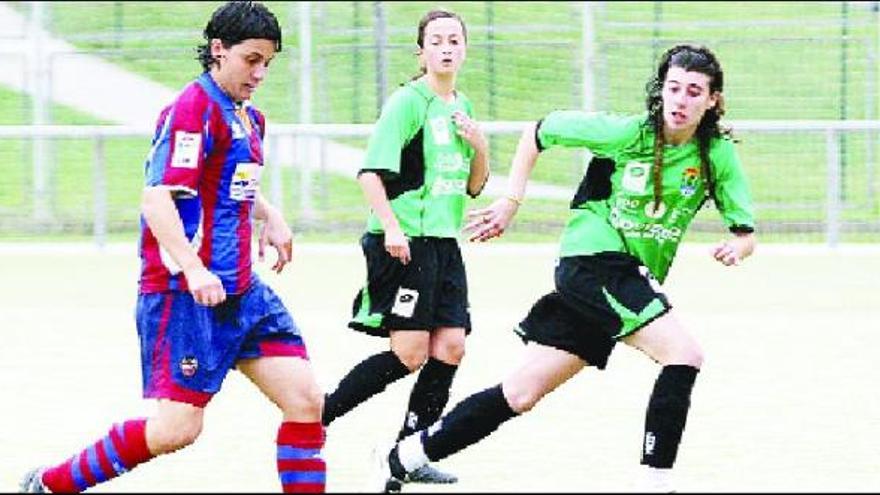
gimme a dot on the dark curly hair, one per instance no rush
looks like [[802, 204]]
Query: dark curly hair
[[692, 58], [234, 22]]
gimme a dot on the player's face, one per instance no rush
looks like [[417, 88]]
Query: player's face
[[686, 97], [243, 66], [445, 47]]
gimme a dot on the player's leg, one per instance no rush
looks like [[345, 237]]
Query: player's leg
[[290, 383], [409, 349], [396, 303], [162, 319], [274, 357], [667, 342], [541, 371], [430, 394]]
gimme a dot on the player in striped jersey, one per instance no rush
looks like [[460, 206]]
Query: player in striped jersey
[[201, 310]]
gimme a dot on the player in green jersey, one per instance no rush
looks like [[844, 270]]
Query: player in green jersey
[[649, 176], [425, 154]]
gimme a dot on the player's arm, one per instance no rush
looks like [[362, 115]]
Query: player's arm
[[734, 202], [479, 167], [274, 232], [490, 222], [161, 215], [377, 197]]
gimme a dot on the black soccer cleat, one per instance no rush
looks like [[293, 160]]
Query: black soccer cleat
[[430, 475]]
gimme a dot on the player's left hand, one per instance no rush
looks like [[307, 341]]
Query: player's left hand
[[726, 253], [277, 234], [469, 130]]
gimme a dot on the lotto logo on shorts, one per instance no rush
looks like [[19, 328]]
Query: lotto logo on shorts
[[405, 302]]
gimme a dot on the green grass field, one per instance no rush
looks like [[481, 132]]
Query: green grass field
[[783, 403], [773, 71]]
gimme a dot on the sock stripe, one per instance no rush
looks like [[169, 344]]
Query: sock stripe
[[303, 488], [77, 474], [113, 455], [104, 462], [94, 467], [288, 452], [301, 465], [289, 477]]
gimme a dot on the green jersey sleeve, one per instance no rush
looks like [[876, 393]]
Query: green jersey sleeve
[[401, 118], [600, 132], [732, 195]]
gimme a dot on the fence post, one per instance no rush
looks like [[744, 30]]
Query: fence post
[[39, 81], [381, 33], [833, 194], [304, 143], [99, 177]]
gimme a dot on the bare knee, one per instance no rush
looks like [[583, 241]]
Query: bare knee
[[307, 403], [448, 350], [521, 397], [169, 431], [689, 355], [412, 358], [411, 348]]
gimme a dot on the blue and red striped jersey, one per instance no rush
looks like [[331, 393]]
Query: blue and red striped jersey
[[210, 159]]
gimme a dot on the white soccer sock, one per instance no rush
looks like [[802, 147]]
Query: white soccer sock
[[659, 479], [411, 453]]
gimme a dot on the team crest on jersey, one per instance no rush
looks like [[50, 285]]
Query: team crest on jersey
[[440, 130], [635, 177], [690, 179], [237, 131], [188, 366]]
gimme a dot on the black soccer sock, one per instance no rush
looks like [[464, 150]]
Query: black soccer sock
[[366, 379], [429, 396], [667, 415], [468, 422]]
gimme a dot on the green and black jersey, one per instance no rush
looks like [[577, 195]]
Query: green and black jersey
[[617, 213], [423, 162]]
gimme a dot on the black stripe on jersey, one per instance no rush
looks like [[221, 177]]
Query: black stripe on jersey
[[596, 184]]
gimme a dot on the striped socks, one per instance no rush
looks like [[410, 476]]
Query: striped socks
[[300, 465], [124, 447]]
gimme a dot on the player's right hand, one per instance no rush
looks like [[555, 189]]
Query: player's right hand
[[397, 244], [204, 286], [490, 222]]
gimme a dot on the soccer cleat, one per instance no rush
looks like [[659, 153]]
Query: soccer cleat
[[33, 482], [430, 475], [384, 480]]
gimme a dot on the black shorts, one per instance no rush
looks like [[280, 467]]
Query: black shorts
[[598, 300], [427, 293]]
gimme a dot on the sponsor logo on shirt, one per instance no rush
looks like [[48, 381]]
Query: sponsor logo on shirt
[[245, 182], [635, 177], [447, 187], [440, 130], [449, 162], [186, 149]]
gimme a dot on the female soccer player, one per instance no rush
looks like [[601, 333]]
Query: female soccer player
[[201, 309], [425, 154], [654, 172]]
